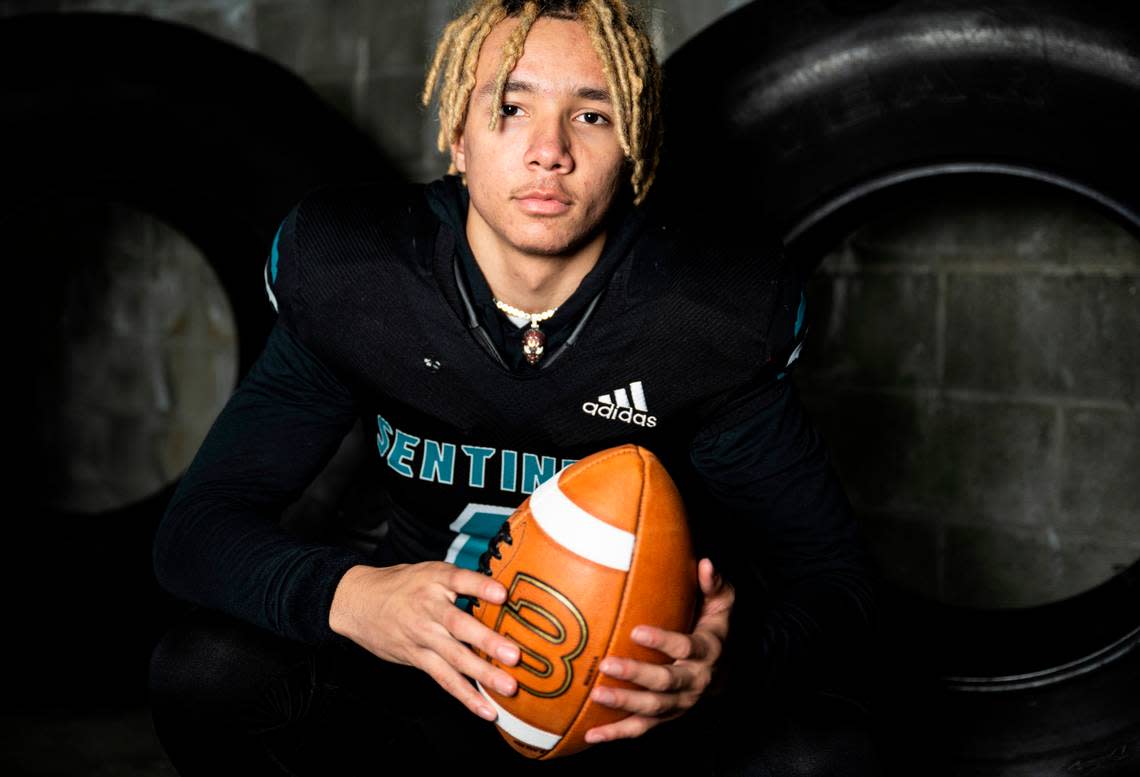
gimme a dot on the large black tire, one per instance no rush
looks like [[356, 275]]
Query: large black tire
[[803, 119], [797, 113], [217, 142]]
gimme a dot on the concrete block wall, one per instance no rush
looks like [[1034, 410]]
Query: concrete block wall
[[974, 363]]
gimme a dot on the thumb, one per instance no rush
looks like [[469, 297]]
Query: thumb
[[710, 580]]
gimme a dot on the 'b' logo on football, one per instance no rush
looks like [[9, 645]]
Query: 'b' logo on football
[[549, 630]]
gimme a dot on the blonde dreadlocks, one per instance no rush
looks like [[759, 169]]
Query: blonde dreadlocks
[[632, 72]]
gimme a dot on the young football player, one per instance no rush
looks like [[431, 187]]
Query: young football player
[[490, 328]]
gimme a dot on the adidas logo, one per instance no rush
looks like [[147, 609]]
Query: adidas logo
[[617, 406]]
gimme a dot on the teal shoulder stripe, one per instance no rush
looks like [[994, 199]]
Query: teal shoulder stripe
[[273, 254], [799, 313]]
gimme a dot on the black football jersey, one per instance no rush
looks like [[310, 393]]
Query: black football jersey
[[677, 338], [673, 343]]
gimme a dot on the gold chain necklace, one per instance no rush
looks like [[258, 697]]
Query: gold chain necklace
[[533, 340]]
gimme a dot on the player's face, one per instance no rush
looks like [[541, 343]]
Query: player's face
[[544, 179]]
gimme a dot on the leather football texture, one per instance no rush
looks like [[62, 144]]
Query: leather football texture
[[596, 550]]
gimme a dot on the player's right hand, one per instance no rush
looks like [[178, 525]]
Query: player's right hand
[[407, 614]]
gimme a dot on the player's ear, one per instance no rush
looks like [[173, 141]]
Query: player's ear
[[459, 154]]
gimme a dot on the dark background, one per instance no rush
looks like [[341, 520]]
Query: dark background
[[974, 359]]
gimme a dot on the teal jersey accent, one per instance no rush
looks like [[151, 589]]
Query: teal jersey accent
[[274, 254]]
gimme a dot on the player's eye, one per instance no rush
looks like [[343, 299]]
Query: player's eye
[[509, 110], [595, 119]]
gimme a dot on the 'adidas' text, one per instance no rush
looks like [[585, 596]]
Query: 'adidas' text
[[617, 407]]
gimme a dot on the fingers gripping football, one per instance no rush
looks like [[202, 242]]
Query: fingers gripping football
[[669, 689], [406, 614]]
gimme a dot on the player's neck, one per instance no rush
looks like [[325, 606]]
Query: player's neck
[[532, 282]]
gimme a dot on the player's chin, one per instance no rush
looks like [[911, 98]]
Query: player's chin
[[548, 246], [552, 238]]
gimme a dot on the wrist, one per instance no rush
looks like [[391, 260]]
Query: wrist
[[344, 610]]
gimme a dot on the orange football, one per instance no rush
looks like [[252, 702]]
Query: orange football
[[594, 551]]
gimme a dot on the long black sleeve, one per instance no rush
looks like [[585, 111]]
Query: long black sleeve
[[219, 544], [778, 495], [808, 582]]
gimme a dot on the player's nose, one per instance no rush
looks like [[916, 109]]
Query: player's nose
[[550, 146]]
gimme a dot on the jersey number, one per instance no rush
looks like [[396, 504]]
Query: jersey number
[[476, 526]]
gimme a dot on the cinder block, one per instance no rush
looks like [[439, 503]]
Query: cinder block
[[1099, 240], [1033, 335], [913, 233], [340, 39], [316, 40], [871, 439], [1005, 566], [399, 37], [201, 379], [133, 382], [977, 461], [871, 330], [1099, 491], [958, 226], [391, 114], [990, 462]]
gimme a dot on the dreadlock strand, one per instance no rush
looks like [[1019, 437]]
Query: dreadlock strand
[[646, 99], [457, 56], [442, 52], [494, 14], [447, 54], [595, 25], [626, 42], [512, 53], [441, 49], [636, 97], [607, 24]]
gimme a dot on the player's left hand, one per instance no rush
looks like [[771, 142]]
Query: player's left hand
[[671, 689]]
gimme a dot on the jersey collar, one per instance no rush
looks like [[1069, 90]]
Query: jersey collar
[[457, 272]]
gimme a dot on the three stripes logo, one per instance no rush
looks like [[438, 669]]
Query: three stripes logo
[[628, 406]]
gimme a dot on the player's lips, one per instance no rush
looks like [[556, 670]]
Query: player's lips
[[544, 202]]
